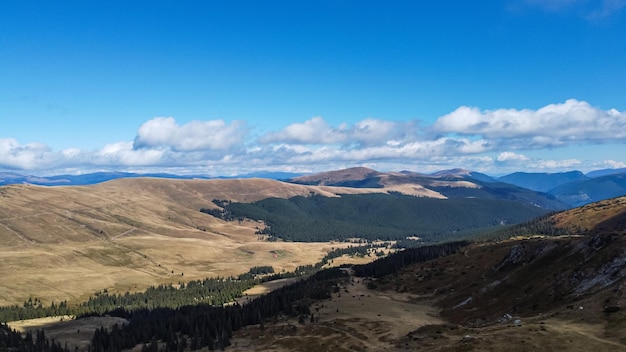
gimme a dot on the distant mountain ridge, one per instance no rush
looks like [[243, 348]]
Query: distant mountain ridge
[[605, 172], [7, 178], [462, 173], [455, 183], [585, 191], [542, 182], [573, 188], [80, 180], [547, 190]]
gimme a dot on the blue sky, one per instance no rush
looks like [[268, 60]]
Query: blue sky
[[231, 87]]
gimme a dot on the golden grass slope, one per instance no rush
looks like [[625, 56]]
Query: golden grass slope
[[604, 216], [62, 243]]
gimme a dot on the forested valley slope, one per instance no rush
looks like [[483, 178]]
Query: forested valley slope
[[536, 273]]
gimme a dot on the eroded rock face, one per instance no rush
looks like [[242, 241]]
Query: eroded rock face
[[526, 277], [515, 256]]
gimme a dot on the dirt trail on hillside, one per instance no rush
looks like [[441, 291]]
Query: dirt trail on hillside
[[355, 319]]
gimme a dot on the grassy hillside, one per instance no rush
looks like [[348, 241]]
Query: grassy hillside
[[607, 216], [65, 243]]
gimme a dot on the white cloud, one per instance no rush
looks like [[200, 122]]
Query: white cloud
[[123, 154], [16, 156], [614, 164], [373, 131], [312, 131], [164, 132], [482, 140], [510, 156], [566, 164], [555, 124], [71, 153], [316, 131], [414, 151]]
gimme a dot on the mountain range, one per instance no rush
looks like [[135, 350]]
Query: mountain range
[[548, 190], [9, 178]]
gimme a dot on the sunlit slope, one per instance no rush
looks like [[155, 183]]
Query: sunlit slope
[[125, 207], [604, 216], [67, 242]]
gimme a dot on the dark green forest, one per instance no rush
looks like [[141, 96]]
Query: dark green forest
[[375, 216], [11, 340], [540, 226], [393, 263]]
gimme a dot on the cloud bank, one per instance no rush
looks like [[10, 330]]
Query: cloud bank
[[483, 140], [165, 133], [553, 125]]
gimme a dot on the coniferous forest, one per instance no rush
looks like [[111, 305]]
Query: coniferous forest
[[374, 216], [391, 264], [11, 340]]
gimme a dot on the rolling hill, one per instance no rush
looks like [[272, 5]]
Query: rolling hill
[[606, 216], [456, 183], [130, 233], [68, 242], [537, 293]]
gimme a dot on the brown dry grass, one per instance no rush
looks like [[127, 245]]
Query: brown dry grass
[[590, 216], [65, 243]]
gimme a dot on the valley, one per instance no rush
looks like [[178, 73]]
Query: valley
[[538, 282], [129, 234]]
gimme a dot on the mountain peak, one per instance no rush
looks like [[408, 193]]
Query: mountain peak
[[458, 172], [337, 176]]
